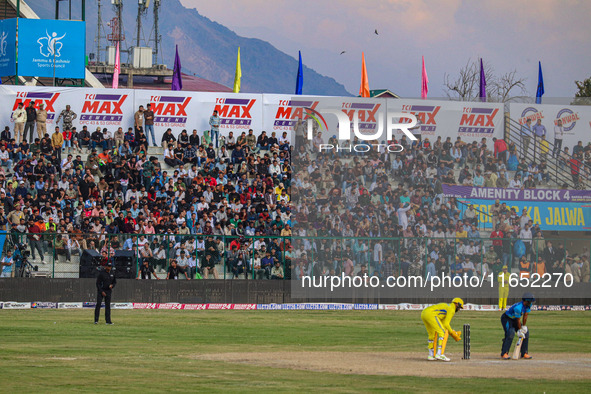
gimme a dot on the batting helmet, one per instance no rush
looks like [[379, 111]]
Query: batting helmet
[[528, 297]]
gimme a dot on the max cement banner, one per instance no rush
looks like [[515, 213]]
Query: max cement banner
[[178, 110]]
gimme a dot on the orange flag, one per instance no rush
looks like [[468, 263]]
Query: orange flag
[[364, 89]]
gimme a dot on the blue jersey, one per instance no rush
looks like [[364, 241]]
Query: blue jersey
[[516, 310]]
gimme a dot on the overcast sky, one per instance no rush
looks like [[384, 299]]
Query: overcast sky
[[508, 34]]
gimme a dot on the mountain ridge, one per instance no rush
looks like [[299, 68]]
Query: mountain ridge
[[207, 48]]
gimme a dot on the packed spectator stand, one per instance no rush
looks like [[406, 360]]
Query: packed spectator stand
[[215, 206]]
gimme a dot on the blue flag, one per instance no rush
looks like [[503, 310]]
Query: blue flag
[[540, 91], [177, 79], [482, 93], [300, 77]]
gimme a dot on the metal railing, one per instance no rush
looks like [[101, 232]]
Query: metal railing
[[558, 161], [66, 255]]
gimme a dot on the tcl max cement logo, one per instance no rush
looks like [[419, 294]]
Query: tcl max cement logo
[[103, 109], [170, 110], [234, 113]]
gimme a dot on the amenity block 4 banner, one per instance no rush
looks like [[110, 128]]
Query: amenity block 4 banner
[[576, 120], [566, 210], [49, 47]]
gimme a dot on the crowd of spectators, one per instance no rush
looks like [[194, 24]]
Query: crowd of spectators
[[354, 199], [222, 205], [200, 211]]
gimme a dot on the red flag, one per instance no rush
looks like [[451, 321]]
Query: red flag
[[117, 69], [425, 82], [364, 89]]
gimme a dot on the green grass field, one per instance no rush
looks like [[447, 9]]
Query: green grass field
[[156, 350]]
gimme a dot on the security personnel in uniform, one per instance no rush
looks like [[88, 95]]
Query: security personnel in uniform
[[104, 285]]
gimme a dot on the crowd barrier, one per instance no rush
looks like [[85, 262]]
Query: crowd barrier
[[68, 255]]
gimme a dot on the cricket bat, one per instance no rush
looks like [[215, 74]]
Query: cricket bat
[[517, 351]]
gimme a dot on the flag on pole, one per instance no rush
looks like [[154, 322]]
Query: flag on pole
[[425, 81], [177, 79], [238, 74], [540, 91], [300, 77], [364, 88], [117, 69], [482, 94]]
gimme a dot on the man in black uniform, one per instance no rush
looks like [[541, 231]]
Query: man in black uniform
[[104, 284]]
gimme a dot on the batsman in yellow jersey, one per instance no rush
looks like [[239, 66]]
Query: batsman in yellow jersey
[[436, 319]]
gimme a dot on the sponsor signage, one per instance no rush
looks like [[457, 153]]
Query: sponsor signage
[[567, 210], [576, 120], [16, 305], [48, 47], [122, 305], [69, 305], [48, 99], [44, 305], [7, 47]]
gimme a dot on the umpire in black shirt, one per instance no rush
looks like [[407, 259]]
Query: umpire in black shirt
[[104, 285]]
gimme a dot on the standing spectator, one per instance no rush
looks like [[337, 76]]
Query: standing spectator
[[138, 119], [35, 242], [68, 115], [41, 121], [149, 122], [500, 150], [526, 134], [19, 117], [105, 282], [31, 118], [558, 135], [539, 131], [57, 141], [575, 169], [6, 263], [214, 123]]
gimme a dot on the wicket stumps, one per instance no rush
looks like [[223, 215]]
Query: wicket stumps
[[466, 342]]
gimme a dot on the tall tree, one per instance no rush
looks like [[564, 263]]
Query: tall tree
[[499, 88], [583, 95]]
